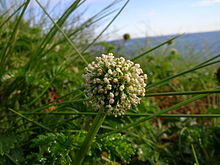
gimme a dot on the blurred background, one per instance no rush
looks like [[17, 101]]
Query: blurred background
[[45, 114]]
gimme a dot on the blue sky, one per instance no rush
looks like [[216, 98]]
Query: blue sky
[[158, 17]]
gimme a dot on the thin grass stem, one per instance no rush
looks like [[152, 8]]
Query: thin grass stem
[[57, 104], [126, 114], [180, 74], [139, 121], [156, 47], [194, 154], [11, 159], [106, 26], [41, 94], [35, 58], [64, 34], [6, 51], [211, 59], [30, 120], [182, 93], [9, 17], [100, 117]]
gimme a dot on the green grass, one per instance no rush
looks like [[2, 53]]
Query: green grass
[[47, 119]]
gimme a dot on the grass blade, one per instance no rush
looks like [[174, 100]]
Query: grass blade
[[94, 19], [7, 50], [126, 114], [137, 122], [59, 113], [64, 34], [12, 159], [9, 17], [84, 148], [41, 94], [57, 104], [30, 120], [211, 59], [180, 74], [106, 26], [182, 93], [177, 115], [38, 54], [156, 47], [194, 154]]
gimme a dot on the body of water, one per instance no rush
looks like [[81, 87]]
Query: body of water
[[204, 44]]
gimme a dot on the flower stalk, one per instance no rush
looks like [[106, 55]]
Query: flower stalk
[[113, 85], [99, 119]]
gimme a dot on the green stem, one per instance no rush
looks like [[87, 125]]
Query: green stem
[[137, 122], [156, 47], [57, 104], [194, 154], [30, 120], [126, 114], [100, 117], [6, 52], [107, 26], [9, 17], [41, 94], [180, 74], [64, 34], [12, 159], [182, 93]]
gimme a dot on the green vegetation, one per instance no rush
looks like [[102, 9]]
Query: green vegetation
[[45, 115]]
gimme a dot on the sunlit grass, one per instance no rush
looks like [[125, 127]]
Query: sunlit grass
[[42, 98]]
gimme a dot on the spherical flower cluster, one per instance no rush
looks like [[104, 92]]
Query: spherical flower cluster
[[114, 84]]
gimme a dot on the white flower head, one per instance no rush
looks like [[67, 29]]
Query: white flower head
[[114, 85]]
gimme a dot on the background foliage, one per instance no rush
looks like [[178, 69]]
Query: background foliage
[[45, 114]]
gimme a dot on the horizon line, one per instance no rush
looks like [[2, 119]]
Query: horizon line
[[166, 35]]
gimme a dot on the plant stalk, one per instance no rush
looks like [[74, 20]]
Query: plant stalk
[[99, 119]]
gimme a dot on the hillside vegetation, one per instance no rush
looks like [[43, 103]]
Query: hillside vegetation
[[47, 117]]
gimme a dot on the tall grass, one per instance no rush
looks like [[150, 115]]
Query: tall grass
[[45, 115]]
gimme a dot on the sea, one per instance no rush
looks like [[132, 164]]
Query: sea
[[200, 45]]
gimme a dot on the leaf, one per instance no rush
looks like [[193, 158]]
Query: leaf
[[7, 143]]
